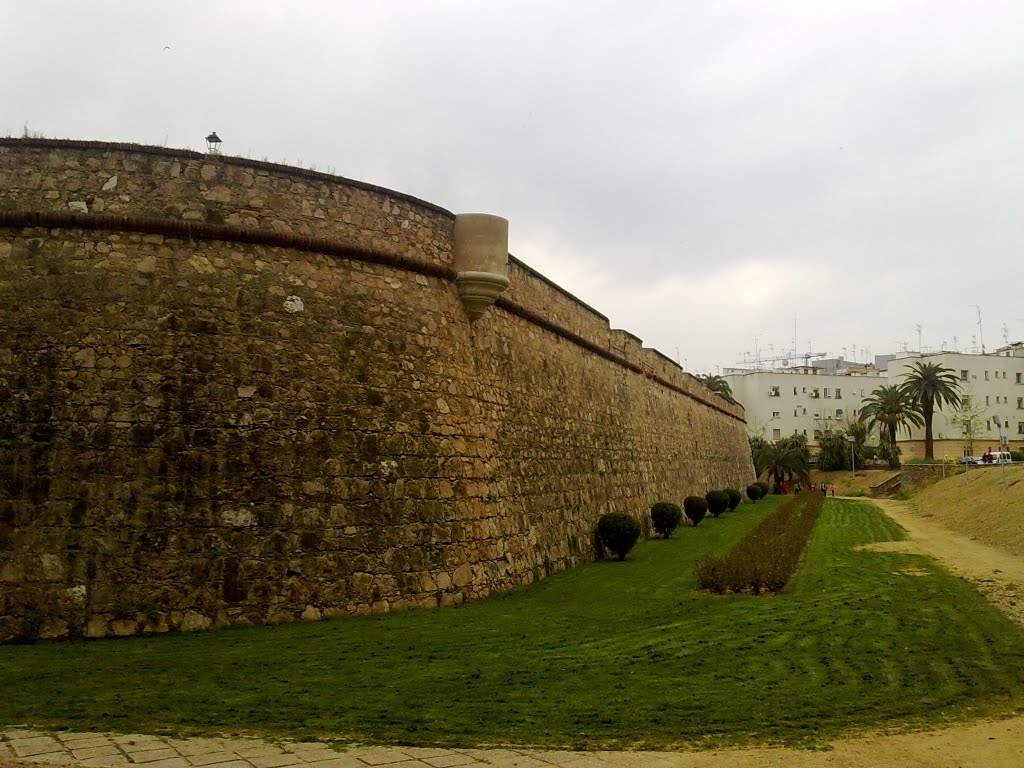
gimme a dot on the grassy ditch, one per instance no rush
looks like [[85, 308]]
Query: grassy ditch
[[616, 654], [765, 559]]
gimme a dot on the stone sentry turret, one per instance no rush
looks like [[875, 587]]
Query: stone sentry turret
[[481, 260]]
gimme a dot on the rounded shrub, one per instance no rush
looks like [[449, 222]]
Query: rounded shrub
[[618, 533], [754, 492], [735, 497], [695, 508], [666, 517], [765, 488], [718, 502]]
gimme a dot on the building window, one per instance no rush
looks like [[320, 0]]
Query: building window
[[815, 393], [817, 415], [776, 434], [1020, 427], [839, 413], [826, 392], [796, 411], [803, 390], [965, 402], [1019, 378], [986, 400], [986, 375], [1020, 402], [963, 375], [805, 411], [794, 390], [776, 415], [817, 434], [773, 392], [839, 394]]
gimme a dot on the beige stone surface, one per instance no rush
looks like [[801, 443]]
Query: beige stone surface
[[981, 744], [246, 433]]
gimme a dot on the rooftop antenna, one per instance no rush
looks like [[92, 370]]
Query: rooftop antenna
[[917, 326], [1006, 334], [981, 336], [955, 348]]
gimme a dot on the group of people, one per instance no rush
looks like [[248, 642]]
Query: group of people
[[782, 488]]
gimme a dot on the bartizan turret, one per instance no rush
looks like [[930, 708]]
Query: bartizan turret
[[481, 260]]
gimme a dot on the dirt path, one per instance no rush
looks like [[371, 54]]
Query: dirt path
[[978, 744]]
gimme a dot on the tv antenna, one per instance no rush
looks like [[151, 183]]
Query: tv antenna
[[981, 337]]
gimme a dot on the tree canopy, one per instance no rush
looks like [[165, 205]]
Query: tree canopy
[[930, 385], [891, 409], [782, 458]]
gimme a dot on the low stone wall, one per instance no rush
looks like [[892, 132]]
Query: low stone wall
[[238, 393], [913, 475]]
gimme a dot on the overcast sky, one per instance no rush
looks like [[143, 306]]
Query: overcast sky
[[828, 174]]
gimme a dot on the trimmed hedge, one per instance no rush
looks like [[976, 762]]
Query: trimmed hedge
[[735, 497], [718, 502], [695, 508], [765, 488], [754, 492], [666, 517], [618, 533], [764, 560]]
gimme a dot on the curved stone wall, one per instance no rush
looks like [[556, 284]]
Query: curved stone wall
[[239, 393]]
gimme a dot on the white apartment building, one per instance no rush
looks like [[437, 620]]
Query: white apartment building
[[806, 400]]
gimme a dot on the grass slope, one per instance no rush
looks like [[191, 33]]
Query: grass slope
[[985, 502], [613, 654]]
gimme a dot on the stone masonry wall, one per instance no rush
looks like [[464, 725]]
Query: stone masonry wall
[[239, 393]]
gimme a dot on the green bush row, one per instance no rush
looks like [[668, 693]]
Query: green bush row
[[618, 532], [764, 559]]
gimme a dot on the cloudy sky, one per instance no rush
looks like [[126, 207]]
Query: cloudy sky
[[706, 173]]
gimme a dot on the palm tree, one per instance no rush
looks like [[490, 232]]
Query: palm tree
[[929, 385], [782, 458], [891, 409], [719, 385]]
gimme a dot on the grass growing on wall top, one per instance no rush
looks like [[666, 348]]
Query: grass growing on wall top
[[613, 654]]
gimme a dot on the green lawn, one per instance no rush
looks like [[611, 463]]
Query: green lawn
[[612, 654]]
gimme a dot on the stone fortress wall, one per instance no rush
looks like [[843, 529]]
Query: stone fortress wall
[[233, 392]]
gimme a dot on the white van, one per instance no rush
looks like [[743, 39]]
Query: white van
[[998, 457]]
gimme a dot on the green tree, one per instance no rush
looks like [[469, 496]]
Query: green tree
[[860, 432], [719, 385], [970, 417], [930, 385], [833, 452], [781, 458], [891, 409]]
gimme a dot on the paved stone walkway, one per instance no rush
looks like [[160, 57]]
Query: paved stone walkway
[[978, 744], [107, 749]]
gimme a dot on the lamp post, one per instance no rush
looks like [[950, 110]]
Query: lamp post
[[213, 143], [853, 458]]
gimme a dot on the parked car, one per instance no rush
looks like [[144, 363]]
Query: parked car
[[969, 460]]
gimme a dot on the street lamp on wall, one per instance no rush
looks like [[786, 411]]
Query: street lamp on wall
[[853, 459], [213, 143]]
